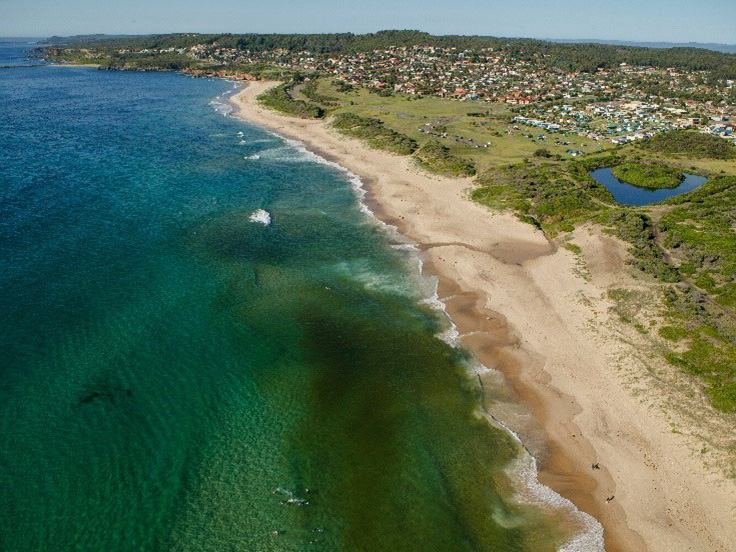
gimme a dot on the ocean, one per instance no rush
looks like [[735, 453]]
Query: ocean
[[210, 344]]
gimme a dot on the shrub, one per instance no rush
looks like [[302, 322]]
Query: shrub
[[436, 157], [648, 175], [375, 132], [279, 98], [690, 143]]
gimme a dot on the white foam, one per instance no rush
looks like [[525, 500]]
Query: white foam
[[524, 470], [530, 491], [222, 107], [221, 103], [405, 247], [451, 335], [287, 154], [363, 271], [261, 216]]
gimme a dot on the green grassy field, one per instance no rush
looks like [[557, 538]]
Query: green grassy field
[[685, 244], [408, 114], [510, 143], [685, 164]]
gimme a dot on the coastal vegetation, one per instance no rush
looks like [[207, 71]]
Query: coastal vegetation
[[77, 57], [557, 197], [637, 229], [309, 90], [698, 232], [698, 228], [682, 246], [436, 157], [648, 175], [280, 99], [681, 250], [690, 144], [553, 197], [375, 132], [687, 244], [159, 62], [167, 61]]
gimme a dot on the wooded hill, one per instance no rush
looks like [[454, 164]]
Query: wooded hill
[[573, 57]]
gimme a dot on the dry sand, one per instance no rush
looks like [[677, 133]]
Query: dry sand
[[523, 306]]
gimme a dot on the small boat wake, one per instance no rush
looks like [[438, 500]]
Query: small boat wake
[[261, 216], [291, 498]]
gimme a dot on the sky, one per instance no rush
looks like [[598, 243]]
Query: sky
[[635, 20]]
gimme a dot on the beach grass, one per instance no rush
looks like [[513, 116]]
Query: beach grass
[[669, 245], [409, 114]]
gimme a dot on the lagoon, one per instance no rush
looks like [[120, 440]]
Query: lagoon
[[627, 194]]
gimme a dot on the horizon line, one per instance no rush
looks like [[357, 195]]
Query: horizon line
[[543, 39]]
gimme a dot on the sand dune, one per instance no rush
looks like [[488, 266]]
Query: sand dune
[[524, 308]]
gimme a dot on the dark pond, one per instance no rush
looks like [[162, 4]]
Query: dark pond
[[626, 194]]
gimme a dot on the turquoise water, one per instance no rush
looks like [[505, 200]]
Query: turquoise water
[[177, 376], [627, 194]]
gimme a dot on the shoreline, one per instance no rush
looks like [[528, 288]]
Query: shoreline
[[512, 295], [588, 530]]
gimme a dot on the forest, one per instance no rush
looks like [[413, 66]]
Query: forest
[[573, 57]]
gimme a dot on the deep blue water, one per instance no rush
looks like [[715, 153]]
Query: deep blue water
[[626, 194], [177, 376], [18, 52]]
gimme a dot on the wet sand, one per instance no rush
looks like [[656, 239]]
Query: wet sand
[[523, 308]]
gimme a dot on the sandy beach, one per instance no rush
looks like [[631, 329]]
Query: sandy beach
[[531, 310]]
